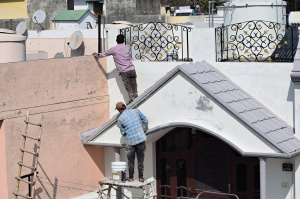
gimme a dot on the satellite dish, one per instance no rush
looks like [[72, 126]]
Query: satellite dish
[[21, 28], [38, 17], [75, 40]]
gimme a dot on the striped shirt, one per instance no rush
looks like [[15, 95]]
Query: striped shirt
[[121, 55], [131, 124]]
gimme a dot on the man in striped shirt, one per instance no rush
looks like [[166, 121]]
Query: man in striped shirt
[[125, 67], [133, 124]]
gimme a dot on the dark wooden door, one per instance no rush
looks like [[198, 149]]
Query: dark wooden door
[[190, 162], [246, 178], [211, 168]]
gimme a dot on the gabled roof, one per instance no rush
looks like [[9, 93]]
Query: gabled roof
[[245, 107], [71, 15]]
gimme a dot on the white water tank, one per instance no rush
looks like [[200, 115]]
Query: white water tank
[[12, 46], [294, 17], [253, 27], [237, 11]]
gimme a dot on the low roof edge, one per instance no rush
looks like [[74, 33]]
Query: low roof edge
[[185, 124]]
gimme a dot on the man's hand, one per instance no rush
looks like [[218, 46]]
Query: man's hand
[[95, 54]]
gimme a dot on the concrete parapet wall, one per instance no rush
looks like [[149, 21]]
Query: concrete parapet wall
[[184, 19], [72, 94], [50, 48]]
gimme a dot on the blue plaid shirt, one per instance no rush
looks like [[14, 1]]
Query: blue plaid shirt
[[131, 124]]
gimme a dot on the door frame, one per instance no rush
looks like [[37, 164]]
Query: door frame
[[233, 159]]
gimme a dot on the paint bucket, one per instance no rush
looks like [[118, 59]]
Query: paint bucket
[[175, 56], [118, 171], [170, 55]]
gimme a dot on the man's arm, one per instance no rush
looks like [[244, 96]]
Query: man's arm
[[104, 54], [122, 129], [144, 120]]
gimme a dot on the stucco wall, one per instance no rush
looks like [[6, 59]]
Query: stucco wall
[[3, 175], [46, 44], [278, 179], [48, 48], [72, 95]]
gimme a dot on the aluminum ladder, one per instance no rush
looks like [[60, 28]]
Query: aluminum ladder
[[19, 178]]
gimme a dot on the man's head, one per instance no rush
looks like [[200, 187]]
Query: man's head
[[120, 39], [120, 106]]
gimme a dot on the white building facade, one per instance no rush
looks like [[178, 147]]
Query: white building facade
[[188, 122]]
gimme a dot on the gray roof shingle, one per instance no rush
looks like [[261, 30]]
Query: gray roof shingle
[[247, 108]]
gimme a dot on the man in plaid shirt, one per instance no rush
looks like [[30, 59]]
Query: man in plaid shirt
[[133, 124]]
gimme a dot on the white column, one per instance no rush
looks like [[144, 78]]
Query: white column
[[263, 178], [117, 159], [297, 134], [297, 109], [117, 154]]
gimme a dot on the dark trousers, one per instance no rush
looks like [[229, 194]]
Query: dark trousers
[[139, 149], [129, 80]]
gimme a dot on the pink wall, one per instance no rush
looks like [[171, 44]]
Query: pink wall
[[3, 176], [49, 47], [72, 94]]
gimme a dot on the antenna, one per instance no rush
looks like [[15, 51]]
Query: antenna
[[75, 40], [21, 28], [38, 17]]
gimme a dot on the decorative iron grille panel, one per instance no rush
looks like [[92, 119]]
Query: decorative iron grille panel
[[248, 41], [153, 41]]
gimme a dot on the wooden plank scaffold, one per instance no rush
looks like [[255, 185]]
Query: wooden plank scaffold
[[19, 178], [135, 184]]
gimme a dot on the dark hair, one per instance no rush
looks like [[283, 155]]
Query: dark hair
[[123, 107], [120, 39]]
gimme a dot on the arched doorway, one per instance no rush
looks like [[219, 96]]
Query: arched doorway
[[191, 161]]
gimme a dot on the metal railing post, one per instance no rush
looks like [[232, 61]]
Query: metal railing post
[[182, 41], [226, 27], [221, 43], [187, 44]]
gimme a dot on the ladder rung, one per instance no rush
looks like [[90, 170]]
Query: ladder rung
[[28, 136], [24, 150], [29, 167], [18, 194], [26, 181], [32, 123]]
